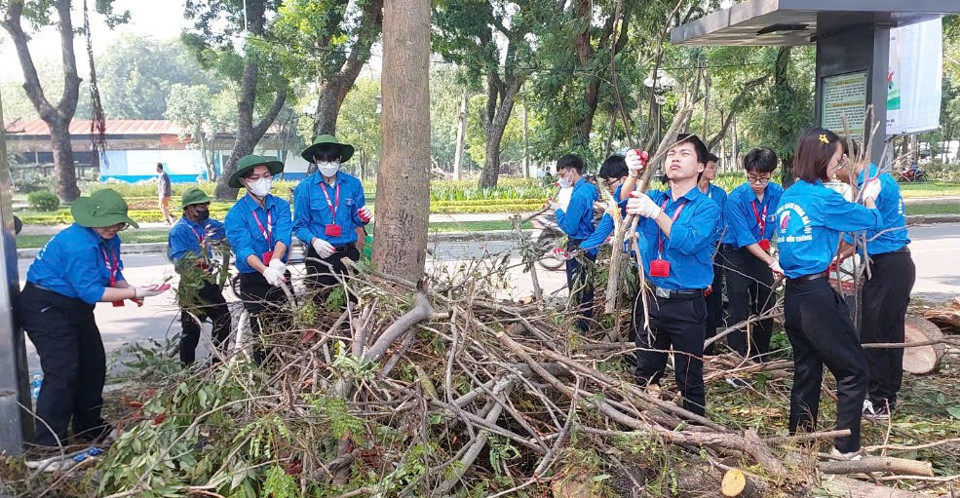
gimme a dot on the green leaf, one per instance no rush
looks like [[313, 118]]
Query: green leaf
[[954, 411]]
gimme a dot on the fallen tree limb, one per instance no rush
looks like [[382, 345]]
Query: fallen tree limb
[[878, 464]]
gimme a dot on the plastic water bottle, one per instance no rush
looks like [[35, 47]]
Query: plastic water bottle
[[36, 380], [92, 452]]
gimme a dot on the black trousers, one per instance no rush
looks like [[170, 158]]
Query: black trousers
[[324, 278], [74, 365], [215, 308], [821, 332], [749, 283], [714, 307], [678, 323], [884, 307], [264, 303], [580, 283]]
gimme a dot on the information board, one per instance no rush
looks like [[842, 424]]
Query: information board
[[844, 94]]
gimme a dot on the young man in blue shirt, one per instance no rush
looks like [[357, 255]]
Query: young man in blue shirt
[[613, 172], [678, 235], [886, 294], [577, 222], [750, 217], [329, 207], [715, 295], [190, 244], [259, 229]]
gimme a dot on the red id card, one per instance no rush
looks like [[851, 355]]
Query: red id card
[[332, 230], [764, 244], [659, 268], [266, 257]]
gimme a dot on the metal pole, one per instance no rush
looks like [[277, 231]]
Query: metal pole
[[14, 389]]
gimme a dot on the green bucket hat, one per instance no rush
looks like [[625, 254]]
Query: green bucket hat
[[194, 196], [346, 150], [102, 209], [251, 161]]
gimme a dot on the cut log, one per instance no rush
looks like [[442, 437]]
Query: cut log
[[736, 483], [852, 488], [946, 317], [921, 359], [898, 466]]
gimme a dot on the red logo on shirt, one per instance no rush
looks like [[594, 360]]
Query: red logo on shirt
[[784, 220]]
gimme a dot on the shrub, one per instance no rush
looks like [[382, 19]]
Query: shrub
[[43, 200]]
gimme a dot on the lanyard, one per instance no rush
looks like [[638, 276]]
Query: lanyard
[[112, 268], [268, 232], [761, 220], [199, 237], [676, 214], [336, 200]]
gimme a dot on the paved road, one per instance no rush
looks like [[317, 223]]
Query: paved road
[[936, 251]]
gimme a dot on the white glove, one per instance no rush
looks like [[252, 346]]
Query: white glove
[[323, 248], [365, 215], [775, 266], [641, 204], [634, 162], [553, 205], [147, 291], [273, 277], [278, 265], [871, 190]]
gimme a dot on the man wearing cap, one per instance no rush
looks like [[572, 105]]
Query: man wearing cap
[[328, 210], [79, 267], [189, 244], [259, 229]]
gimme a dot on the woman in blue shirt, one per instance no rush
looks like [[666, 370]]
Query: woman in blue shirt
[[811, 221], [76, 269], [258, 228]]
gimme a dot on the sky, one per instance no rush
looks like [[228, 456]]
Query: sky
[[162, 19]]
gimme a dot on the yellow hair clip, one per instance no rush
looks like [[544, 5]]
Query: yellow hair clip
[[823, 138]]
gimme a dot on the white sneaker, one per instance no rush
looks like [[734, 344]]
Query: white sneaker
[[871, 412], [851, 456]]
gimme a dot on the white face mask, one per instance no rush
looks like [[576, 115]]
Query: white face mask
[[261, 187], [564, 183], [328, 168]]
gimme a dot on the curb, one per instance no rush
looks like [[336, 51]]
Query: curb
[[161, 247], [919, 219]]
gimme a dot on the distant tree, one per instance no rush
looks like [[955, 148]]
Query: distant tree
[[360, 125], [138, 72], [261, 86], [39, 13], [194, 109]]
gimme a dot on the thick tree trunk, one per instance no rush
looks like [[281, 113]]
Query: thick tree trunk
[[497, 123], [403, 182], [461, 136], [66, 186], [57, 117], [334, 89]]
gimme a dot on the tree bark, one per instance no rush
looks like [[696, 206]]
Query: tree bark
[[501, 95], [334, 89], [403, 181], [248, 134], [461, 136], [57, 117]]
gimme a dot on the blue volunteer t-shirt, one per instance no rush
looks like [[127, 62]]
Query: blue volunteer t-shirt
[[744, 215], [77, 263], [312, 211], [812, 219], [577, 220], [245, 234], [893, 234], [690, 246]]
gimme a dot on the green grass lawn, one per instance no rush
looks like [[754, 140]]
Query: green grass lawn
[[916, 209], [930, 189], [150, 236]]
